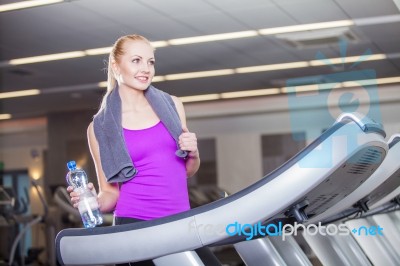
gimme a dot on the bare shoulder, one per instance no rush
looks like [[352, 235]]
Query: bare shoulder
[[179, 107], [92, 141], [178, 103], [90, 132]]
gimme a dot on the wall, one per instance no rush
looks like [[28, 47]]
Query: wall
[[67, 141]]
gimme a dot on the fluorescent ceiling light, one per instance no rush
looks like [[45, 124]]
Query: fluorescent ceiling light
[[301, 36], [345, 84], [229, 95], [45, 58], [107, 50], [102, 84], [13, 94], [250, 93], [388, 80], [366, 82], [200, 74], [213, 37], [97, 51], [199, 98], [158, 79], [349, 59], [358, 83], [311, 87], [305, 27], [27, 4], [302, 88], [158, 44], [272, 67], [5, 116]]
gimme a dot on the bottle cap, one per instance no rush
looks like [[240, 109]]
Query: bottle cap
[[71, 165]]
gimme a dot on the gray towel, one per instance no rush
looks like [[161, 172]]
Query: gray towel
[[115, 159]]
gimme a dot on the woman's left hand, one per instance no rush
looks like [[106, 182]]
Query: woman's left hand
[[188, 142]]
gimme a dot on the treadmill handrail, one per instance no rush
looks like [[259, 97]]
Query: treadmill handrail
[[395, 138], [364, 122]]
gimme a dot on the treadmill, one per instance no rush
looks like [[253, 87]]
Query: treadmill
[[333, 250], [336, 188], [303, 187]]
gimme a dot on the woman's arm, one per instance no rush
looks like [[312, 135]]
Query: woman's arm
[[108, 193], [187, 141]]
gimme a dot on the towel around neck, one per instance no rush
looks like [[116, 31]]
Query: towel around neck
[[115, 160]]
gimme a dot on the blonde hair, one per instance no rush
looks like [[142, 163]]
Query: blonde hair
[[116, 52]]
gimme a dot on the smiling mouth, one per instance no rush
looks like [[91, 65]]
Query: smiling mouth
[[142, 78]]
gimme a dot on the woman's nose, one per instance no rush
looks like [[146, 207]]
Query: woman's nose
[[144, 67]]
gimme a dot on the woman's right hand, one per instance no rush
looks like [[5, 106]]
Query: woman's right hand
[[75, 195]]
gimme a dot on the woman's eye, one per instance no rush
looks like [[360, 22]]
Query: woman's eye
[[152, 62], [136, 60]]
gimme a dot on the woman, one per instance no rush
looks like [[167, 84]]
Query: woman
[[138, 121]]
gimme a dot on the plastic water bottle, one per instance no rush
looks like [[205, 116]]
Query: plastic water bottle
[[88, 206]]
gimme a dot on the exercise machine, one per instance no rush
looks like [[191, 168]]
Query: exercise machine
[[303, 183], [355, 212]]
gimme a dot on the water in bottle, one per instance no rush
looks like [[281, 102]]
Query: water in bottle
[[87, 206]]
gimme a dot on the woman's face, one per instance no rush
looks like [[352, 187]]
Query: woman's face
[[135, 67]]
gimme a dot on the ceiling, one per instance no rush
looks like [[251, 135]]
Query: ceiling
[[85, 24]]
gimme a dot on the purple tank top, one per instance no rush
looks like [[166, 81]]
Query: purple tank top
[[159, 188]]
